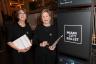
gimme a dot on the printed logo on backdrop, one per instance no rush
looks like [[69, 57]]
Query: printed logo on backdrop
[[65, 2], [73, 34]]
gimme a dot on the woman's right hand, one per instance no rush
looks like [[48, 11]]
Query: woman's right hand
[[21, 50], [44, 44]]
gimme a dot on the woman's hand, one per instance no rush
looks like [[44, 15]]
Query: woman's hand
[[44, 44], [52, 48], [24, 50]]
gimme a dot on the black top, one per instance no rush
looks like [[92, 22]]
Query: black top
[[45, 34], [15, 31]]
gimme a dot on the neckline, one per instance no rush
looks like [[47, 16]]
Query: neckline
[[20, 25]]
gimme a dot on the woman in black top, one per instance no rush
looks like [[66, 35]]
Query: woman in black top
[[45, 36], [16, 30]]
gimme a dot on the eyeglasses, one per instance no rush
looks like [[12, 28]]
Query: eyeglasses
[[22, 13]]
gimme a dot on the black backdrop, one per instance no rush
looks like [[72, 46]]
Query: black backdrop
[[75, 17], [65, 3]]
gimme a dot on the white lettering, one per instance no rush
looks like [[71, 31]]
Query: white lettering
[[72, 36]]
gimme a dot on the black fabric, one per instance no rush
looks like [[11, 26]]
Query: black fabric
[[14, 32], [44, 55]]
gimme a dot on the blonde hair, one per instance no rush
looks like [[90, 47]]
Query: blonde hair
[[50, 14]]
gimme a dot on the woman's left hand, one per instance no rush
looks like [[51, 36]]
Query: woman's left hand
[[52, 48], [24, 50]]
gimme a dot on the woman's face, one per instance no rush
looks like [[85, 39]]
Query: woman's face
[[22, 15], [46, 18]]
